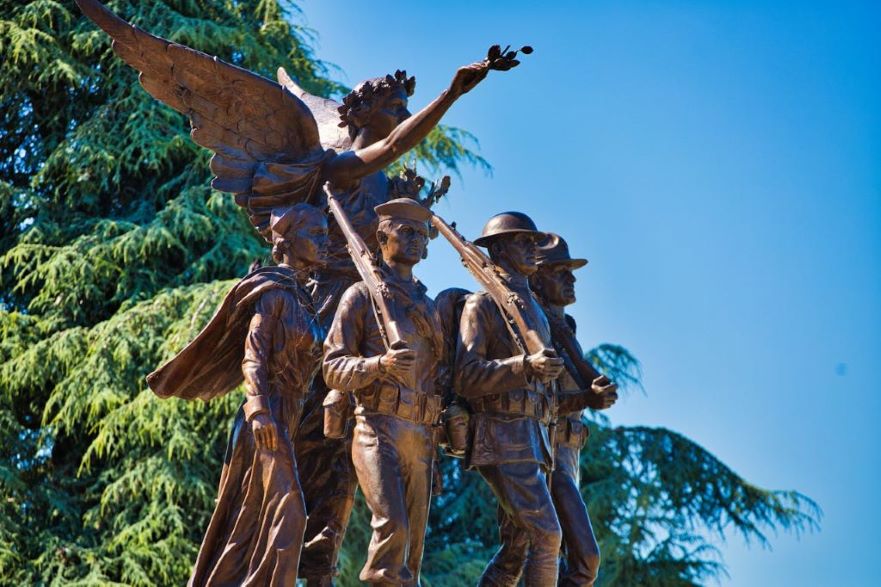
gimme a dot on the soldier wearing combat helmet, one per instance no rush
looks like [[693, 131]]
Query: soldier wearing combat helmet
[[512, 402]]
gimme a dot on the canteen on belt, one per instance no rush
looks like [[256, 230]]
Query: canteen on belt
[[337, 413], [455, 419]]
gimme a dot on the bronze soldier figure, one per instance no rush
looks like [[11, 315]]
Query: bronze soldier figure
[[267, 334], [394, 385], [368, 115], [512, 401], [581, 387]]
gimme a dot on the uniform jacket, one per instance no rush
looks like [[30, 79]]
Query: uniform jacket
[[354, 345], [491, 366]]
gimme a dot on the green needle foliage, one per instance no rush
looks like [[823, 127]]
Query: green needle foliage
[[114, 252]]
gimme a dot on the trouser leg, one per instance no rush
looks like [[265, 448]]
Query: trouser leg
[[328, 480], [506, 566], [527, 516], [417, 455], [386, 452], [582, 553]]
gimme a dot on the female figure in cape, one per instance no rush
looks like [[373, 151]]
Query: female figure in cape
[[266, 333]]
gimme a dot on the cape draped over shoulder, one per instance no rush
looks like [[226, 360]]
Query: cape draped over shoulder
[[211, 365]]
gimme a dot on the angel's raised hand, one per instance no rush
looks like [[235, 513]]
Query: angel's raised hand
[[469, 76], [496, 58]]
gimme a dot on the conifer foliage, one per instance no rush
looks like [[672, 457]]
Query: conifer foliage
[[114, 252]]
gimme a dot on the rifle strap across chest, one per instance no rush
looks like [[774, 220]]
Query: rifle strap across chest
[[512, 330]]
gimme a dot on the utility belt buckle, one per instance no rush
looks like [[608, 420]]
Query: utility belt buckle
[[505, 403], [519, 400]]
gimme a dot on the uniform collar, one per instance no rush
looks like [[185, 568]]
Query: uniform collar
[[514, 280], [391, 278]]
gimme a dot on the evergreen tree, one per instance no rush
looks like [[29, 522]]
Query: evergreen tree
[[114, 252]]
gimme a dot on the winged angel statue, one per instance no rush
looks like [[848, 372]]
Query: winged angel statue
[[276, 144]]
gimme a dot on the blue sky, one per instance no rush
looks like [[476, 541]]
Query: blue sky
[[718, 163]]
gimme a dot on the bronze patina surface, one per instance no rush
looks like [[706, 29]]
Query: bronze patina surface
[[389, 361], [554, 284], [504, 362], [266, 334], [511, 395], [275, 144]]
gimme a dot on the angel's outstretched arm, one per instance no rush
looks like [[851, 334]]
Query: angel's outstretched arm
[[350, 166]]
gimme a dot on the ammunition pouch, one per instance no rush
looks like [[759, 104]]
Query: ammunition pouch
[[571, 432], [413, 406], [456, 430], [520, 402]]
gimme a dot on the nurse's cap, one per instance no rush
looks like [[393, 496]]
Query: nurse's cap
[[406, 208]]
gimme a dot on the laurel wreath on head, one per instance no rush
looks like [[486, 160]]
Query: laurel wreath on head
[[361, 101]]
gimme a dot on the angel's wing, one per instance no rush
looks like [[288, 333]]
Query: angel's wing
[[325, 111], [265, 140]]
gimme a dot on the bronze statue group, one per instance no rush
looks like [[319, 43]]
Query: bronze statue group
[[353, 375]]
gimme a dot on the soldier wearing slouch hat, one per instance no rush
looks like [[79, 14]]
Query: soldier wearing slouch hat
[[554, 283], [512, 400]]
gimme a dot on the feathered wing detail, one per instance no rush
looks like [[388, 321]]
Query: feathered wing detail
[[325, 111], [266, 144]]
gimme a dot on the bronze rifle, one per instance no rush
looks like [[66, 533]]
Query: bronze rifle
[[486, 273], [371, 274], [578, 367], [527, 338]]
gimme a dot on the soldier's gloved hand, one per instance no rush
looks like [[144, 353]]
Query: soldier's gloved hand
[[544, 365], [398, 362], [265, 432], [603, 384], [605, 393]]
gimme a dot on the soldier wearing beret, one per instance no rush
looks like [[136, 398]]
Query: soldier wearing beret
[[396, 404], [554, 284], [505, 387]]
